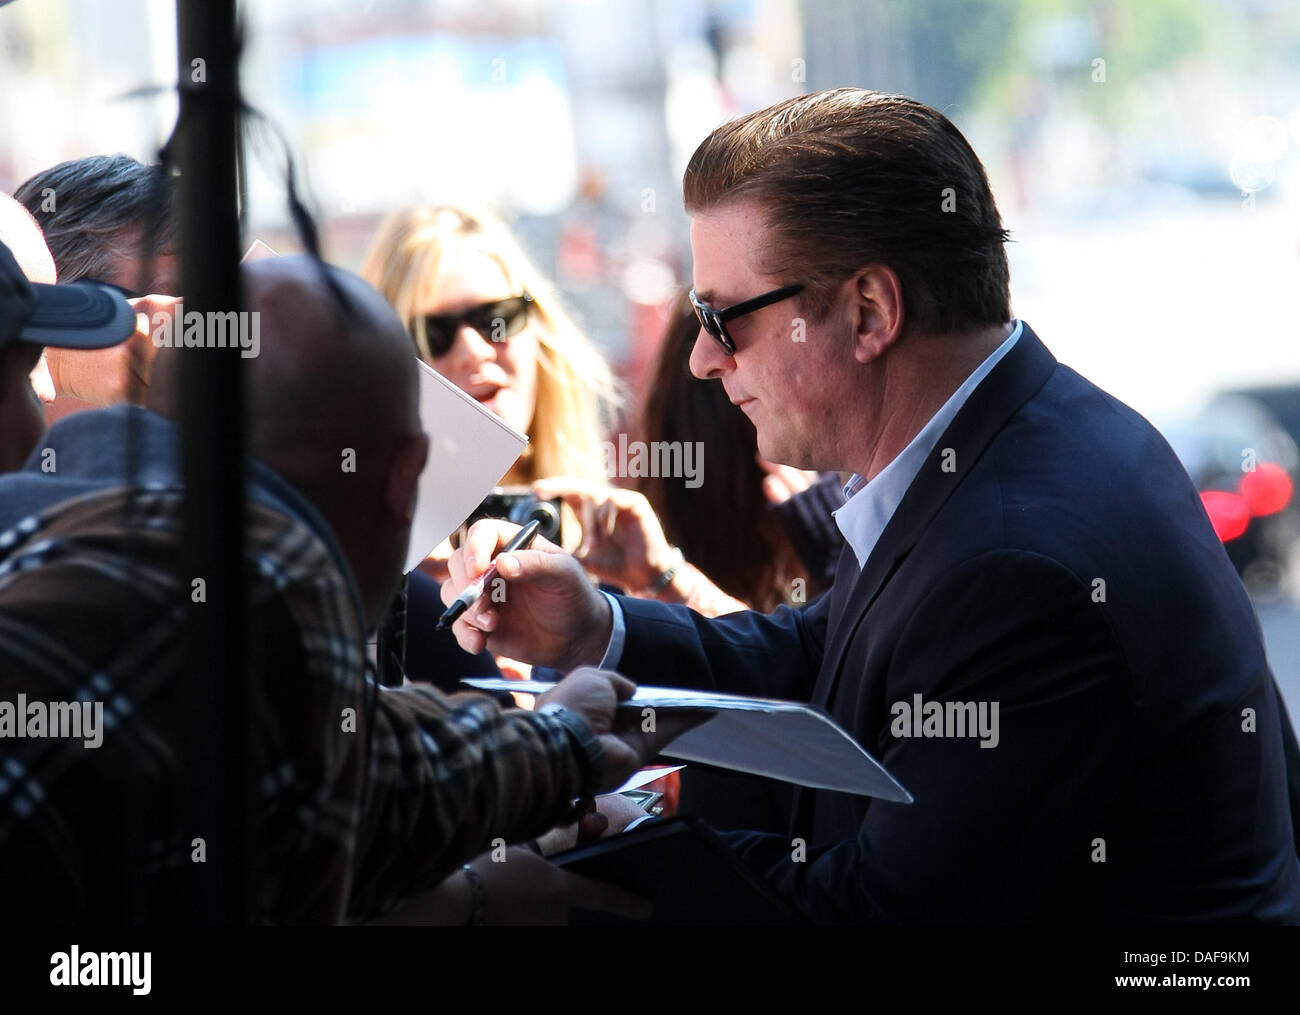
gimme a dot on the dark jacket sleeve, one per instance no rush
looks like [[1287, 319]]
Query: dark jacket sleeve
[[773, 655], [1291, 751]]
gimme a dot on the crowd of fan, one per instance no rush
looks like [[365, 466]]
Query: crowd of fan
[[335, 834]]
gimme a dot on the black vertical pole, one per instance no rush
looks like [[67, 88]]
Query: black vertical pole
[[212, 451]]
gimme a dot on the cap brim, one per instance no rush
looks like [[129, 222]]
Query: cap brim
[[82, 315]]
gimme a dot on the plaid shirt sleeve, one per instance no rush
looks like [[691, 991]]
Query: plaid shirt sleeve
[[448, 776], [90, 608]]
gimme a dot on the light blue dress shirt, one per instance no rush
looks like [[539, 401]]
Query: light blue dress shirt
[[870, 504]]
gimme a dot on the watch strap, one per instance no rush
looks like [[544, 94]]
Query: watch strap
[[589, 749]]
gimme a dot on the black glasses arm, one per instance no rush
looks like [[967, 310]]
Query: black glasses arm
[[758, 302]]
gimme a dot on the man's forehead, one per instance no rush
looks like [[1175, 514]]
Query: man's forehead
[[727, 244], [163, 278]]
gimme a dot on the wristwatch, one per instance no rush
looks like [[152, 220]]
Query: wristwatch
[[589, 750]]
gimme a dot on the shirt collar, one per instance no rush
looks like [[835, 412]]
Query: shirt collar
[[870, 504]]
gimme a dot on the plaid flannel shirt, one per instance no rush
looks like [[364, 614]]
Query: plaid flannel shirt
[[91, 609]]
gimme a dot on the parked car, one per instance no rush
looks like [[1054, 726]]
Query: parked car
[[1247, 467]]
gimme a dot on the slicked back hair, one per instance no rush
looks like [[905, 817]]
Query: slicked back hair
[[93, 212], [848, 178]]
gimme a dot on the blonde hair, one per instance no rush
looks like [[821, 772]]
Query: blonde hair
[[577, 395]]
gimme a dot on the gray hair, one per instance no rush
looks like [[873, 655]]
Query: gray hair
[[90, 209]]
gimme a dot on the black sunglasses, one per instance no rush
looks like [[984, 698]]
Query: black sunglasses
[[495, 321], [714, 321]]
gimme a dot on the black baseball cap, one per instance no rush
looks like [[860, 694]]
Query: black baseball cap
[[82, 315]]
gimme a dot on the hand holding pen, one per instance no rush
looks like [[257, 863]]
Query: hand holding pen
[[474, 591], [549, 613]]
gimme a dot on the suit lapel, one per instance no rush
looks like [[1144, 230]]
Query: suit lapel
[[1016, 378]]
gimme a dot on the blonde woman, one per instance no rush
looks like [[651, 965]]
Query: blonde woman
[[481, 314], [484, 317]]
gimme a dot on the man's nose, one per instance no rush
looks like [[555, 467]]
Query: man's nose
[[708, 358]]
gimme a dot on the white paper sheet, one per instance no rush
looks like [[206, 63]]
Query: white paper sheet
[[645, 776], [470, 449], [258, 251], [779, 739]]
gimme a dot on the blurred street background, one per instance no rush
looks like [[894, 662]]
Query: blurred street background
[[1145, 155]]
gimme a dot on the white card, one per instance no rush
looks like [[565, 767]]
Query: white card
[[470, 449]]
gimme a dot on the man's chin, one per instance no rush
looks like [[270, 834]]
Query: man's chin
[[786, 453], [776, 453]]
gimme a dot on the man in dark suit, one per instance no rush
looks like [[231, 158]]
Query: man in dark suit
[[1033, 624]]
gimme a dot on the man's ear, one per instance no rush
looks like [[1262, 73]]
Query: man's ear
[[878, 299], [404, 476]]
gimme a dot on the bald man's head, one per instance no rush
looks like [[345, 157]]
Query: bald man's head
[[340, 350], [332, 404], [21, 366], [21, 234]]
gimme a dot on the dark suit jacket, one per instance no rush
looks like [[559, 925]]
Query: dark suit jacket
[[1066, 571]]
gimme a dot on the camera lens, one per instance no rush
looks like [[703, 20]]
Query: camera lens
[[546, 513]]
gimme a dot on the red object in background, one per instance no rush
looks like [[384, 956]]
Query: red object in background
[[670, 786], [646, 326], [579, 256], [1229, 513], [1266, 490]]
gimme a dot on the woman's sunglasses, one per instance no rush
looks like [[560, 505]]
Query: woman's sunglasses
[[495, 321]]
